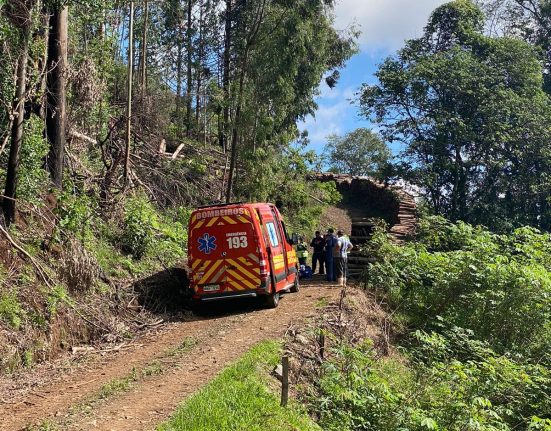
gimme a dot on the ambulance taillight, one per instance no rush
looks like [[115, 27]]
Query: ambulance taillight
[[264, 271]]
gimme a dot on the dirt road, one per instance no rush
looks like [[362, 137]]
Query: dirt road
[[139, 385]]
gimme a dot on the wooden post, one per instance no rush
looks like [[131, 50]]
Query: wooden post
[[322, 345], [129, 105], [284, 380]]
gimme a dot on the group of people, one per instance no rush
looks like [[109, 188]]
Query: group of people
[[330, 253]]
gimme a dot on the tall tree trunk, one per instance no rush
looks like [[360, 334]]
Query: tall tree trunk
[[199, 71], [235, 137], [129, 104], [179, 73], [10, 192], [226, 78], [189, 66], [143, 55], [56, 113]]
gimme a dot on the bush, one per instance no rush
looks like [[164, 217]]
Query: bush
[[140, 225], [11, 311], [76, 214], [498, 286], [434, 391], [148, 231]]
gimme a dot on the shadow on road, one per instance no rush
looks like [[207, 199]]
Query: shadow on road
[[167, 292], [164, 292]]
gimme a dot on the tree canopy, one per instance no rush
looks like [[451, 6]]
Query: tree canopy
[[360, 152], [473, 118]]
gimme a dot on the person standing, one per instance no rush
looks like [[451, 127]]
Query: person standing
[[340, 256], [330, 243], [302, 252], [318, 244]]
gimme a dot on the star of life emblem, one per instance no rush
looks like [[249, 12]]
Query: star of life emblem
[[207, 243]]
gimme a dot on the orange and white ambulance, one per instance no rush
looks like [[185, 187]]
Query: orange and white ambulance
[[240, 250]]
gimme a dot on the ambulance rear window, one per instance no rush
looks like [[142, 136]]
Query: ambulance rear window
[[272, 233]]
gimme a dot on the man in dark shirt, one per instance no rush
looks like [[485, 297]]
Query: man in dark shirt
[[318, 244], [330, 243]]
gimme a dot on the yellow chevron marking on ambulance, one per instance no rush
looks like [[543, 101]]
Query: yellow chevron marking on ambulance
[[251, 265], [210, 271], [212, 221], [242, 269], [196, 263], [229, 220], [216, 278], [199, 224], [243, 219], [242, 279], [236, 285]]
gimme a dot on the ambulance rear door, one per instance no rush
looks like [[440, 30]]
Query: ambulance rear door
[[225, 253]]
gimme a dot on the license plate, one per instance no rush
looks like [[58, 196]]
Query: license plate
[[211, 288]]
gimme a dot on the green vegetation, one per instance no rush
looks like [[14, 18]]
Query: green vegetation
[[184, 347], [117, 386], [360, 152], [241, 398], [472, 115], [498, 286], [10, 310], [473, 315]]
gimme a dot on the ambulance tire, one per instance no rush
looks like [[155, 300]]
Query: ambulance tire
[[296, 285], [272, 300]]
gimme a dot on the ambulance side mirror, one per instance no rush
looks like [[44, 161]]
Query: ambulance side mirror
[[294, 239]]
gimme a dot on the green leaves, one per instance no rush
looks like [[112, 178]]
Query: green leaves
[[360, 152], [460, 294], [472, 116], [497, 286]]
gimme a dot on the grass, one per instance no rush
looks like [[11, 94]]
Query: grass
[[184, 347], [241, 398], [322, 302], [117, 386]]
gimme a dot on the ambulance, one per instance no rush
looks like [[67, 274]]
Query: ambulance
[[240, 250]]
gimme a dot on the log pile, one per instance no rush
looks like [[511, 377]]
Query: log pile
[[366, 200], [407, 218]]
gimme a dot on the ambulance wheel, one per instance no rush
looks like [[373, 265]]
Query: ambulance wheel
[[272, 300], [296, 285]]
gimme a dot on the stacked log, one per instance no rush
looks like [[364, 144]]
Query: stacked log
[[407, 218], [366, 200]]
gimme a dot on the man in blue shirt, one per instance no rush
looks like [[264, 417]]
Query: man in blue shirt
[[342, 247]]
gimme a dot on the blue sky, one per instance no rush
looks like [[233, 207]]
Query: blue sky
[[384, 24]]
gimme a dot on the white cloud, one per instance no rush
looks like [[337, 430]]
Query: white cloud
[[329, 120], [385, 24], [334, 108]]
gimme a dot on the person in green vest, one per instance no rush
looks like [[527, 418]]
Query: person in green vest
[[302, 252]]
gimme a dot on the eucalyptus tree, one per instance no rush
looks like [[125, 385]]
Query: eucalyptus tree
[[56, 67], [282, 49], [19, 13]]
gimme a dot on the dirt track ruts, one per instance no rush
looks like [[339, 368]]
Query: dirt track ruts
[[221, 338]]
